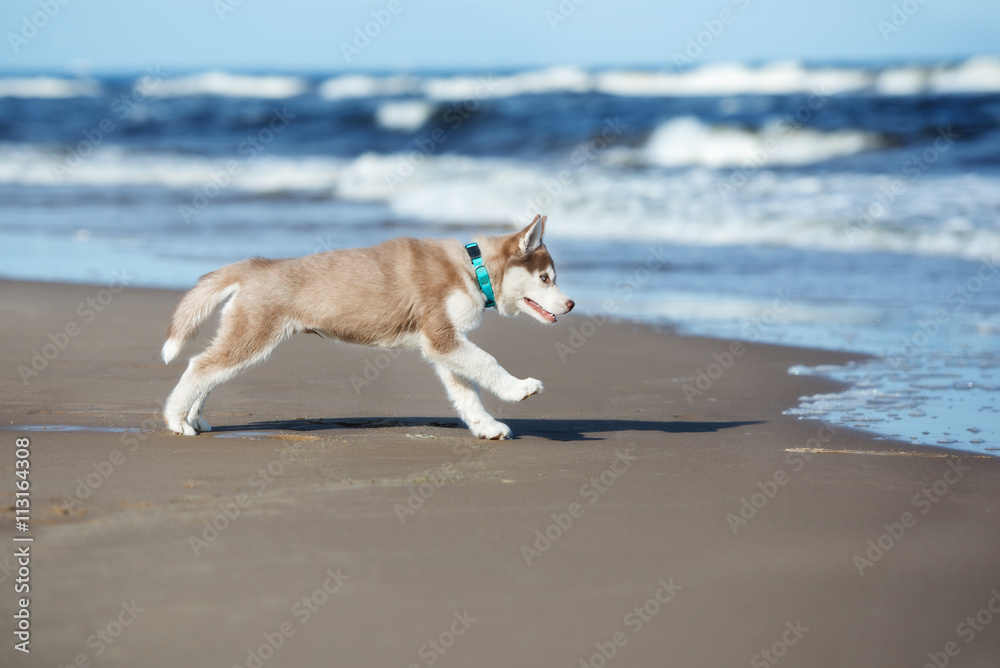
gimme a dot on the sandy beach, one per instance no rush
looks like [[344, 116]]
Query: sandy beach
[[657, 508]]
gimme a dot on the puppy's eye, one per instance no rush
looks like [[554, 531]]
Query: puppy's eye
[[544, 278]]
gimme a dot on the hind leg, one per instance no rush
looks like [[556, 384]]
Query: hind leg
[[204, 373], [239, 345], [194, 417], [184, 401]]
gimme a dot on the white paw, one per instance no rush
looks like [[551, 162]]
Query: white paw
[[200, 424], [521, 390], [529, 387], [490, 429], [179, 426]]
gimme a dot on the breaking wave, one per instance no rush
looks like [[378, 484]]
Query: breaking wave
[[687, 141], [47, 87], [404, 115], [231, 85]]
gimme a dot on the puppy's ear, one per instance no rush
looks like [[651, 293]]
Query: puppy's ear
[[530, 238]]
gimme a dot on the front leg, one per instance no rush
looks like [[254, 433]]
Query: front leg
[[464, 396], [471, 362]]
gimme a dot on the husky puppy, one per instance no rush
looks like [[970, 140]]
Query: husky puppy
[[404, 293]]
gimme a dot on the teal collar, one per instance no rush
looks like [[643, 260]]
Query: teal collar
[[482, 276]]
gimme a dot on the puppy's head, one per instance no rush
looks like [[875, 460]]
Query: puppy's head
[[529, 279]]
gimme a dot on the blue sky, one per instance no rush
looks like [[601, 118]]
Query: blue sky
[[129, 35]]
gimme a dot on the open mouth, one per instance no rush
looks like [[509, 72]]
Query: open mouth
[[542, 312]]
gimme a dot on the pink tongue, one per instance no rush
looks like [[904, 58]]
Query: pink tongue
[[537, 307]]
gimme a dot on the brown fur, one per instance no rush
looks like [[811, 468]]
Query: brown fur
[[316, 293]]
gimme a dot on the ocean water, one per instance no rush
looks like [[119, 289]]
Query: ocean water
[[841, 207]]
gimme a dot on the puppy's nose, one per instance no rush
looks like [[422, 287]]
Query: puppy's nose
[[569, 305]]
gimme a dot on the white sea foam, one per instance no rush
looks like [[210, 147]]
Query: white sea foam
[[951, 215], [733, 79], [47, 87], [976, 75], [350, 86], [404, 115], [552, 80], [902, 81], [114, 166], [231, 85], [938, 397], [687, 141], [712, 79]]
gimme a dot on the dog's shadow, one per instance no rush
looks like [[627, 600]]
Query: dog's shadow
[[550, 429]]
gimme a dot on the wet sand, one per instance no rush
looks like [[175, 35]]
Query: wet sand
[[340, 515]]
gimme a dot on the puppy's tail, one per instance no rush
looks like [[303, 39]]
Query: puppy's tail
[[195, 307]]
